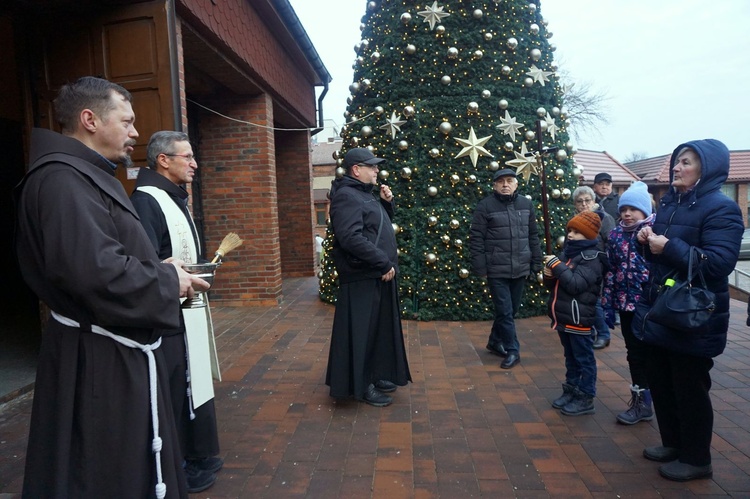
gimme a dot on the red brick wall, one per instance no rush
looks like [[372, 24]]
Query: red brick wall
[[235, 25], [296, 210], [239, 195]]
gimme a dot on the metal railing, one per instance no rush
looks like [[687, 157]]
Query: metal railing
[[740, 279]]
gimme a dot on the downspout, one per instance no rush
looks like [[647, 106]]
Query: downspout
[[174, 65]]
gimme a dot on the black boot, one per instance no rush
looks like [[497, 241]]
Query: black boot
[[567, 396], [582, 403]]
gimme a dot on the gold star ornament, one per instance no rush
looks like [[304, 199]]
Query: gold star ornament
[[433, 15], [509, 126], [523, 163], [393, 125], [474, 147], [539, 75]]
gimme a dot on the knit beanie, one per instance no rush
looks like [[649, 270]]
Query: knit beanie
[[638, 197], [587, 223]]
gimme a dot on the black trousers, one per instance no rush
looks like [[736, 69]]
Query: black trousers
[[636, 351], [679, 386]]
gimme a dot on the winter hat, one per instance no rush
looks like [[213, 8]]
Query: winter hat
[[587, 223], [638, 197]]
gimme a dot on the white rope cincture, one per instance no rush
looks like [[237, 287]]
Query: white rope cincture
[[156, 443]]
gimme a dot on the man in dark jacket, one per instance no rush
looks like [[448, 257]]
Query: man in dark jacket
[[84, 253], [606, 199], [162, 203], [367, 358], [504, 245]]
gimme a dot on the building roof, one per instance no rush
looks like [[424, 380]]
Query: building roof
[[656, 170], [594, 162], [322, 153]]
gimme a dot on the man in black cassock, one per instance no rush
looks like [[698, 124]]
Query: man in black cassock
[[162, 203], [367, 358], [101, 381]]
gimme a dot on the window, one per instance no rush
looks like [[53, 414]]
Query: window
[[321, 213]]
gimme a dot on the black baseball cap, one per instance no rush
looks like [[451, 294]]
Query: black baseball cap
[[360, 156], [601, 177], [505, 172]]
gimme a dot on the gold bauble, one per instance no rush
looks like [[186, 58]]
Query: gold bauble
[[494, 166], [458, 243], [472, 107], [340, 172], [445, 80], [454, 224], [411, 49], [472, 179], [556, 193], [445, 128], [566, 193], [560, 241], [445, 238], [561, 155], [529, 135], [396, 228], [406, 172], [486, 94], [541, 112], [463, 273], [487, 37], [432, 191], [379, 110], [455, 179], [478, 54], [403, 145], [559, 172], [383, 174], [440, 29], [434, 152], [366, 131], [432, 220], [431, 258], [452, 53], [512, 43], [409, 111]]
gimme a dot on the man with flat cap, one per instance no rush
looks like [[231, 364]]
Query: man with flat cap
[[367, 358], [606, 199], [504, 245]]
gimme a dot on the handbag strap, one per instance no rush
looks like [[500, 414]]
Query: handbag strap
[[699, 272]]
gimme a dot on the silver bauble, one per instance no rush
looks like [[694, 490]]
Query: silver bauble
[[508, 146], [512, 43], [556, 193], [548, 34], [478, 54], [354, 141], [362, 26], [494, 166], [360, 60], [445, 238], [505, 70], [365, 84], [541, 112], [357, 46], [371, 148], [354, 87], [455, 179], [349, 100], [569, 145], [540, 278], [339, 162], [366, 131], [487, 37], [472, 107], [409, 111], [432, 220], [405, 18], [555, 111], [472, 179], [432, 191], [543, 125], [553, 66], [440, 29], [434, 152], [532, 7], [336, 154], [411, 49], [445, 128], [529, 135], [566, 193], [502, 104], [375, 56], [454, 224], [379, 110], [527, 82], [320, 274], [458, 243], [560, 241], [534, 29], [371, 5], [463, 273], [406, 172], [431, 258], [559, 173], [365, 43], [445, 80], [340, 172], [561, 155], [383, 174], [477, 13], [552, 47], [577, 172], [396, 228], [452, 53], [403, 145], [486, 94]]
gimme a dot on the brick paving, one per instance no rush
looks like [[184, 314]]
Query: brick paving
[[463, 428]]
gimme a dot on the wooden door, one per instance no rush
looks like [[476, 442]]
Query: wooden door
[[126, 45]]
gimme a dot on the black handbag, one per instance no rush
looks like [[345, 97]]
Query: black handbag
[[683, 305]]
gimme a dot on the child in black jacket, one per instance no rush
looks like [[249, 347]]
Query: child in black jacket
[[575, 280]]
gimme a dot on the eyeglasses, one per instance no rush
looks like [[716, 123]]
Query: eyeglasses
[[188, 157], [368, 166], [584, 201]]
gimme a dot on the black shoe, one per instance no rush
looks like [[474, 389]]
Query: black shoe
[[661, 454], [579, 405], [210, 464], [682, 472], [497, 349], [385, 386], [197, 480], [511, 360], [601, 343], [376, 398]]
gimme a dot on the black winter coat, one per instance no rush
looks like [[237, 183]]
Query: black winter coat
[[357, 216], [708, 220], [575, 290], [504, 238]]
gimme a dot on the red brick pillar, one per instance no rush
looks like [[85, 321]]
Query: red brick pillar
[[238, 175], [296, 208]]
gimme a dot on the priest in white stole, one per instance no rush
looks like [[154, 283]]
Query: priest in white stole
[[162, 204]]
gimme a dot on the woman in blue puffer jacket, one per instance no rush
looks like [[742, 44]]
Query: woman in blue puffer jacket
[[693, 214]]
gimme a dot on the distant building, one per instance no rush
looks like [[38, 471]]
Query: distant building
[[594, 162], [324, 171]]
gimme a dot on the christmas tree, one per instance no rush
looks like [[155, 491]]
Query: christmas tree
[[449, 92]]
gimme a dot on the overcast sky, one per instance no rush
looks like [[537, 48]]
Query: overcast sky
[[674, 70]]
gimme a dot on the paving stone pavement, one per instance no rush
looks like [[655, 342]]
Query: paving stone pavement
[[463, 428]]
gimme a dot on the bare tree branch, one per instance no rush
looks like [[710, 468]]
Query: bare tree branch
[[586, 107]]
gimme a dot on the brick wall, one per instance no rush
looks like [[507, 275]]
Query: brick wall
[[296, 210], [239, 195]]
